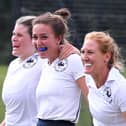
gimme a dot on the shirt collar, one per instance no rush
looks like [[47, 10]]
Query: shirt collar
[[113, 73]]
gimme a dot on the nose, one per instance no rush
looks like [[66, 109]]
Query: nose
[[37, 42], [84, 57], [13, 38]]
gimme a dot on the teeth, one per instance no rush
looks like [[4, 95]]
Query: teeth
[[88, 64]]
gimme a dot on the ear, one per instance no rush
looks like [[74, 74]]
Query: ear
[[59, 39], [107, 57]]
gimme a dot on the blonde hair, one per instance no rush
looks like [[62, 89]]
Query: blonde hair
[[26, 21], [107, 44]]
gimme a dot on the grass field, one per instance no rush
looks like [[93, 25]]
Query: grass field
[[84, 115], [2, 76]]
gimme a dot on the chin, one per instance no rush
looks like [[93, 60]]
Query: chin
[[15, 54], [43, 57], [86, 71]]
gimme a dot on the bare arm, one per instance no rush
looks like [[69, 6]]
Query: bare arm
[[124, 115], [67, 49], [82, 84], [2, 123]]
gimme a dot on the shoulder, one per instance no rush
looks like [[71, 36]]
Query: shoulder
[[118, 86], [15, 61], [74, 57], [116, 77]]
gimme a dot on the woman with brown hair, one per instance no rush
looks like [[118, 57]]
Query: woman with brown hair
[[59, 89]]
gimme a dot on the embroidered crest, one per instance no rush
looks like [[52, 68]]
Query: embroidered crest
[[30, 62], [107, 94], [61, 65]]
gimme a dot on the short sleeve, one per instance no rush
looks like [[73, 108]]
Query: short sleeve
[[121, 97], [76, 66]]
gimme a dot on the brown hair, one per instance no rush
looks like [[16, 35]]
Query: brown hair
[[57, 21]]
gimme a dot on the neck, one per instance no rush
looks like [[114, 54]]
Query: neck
[[23, 57], [101, 77], [53, 57]]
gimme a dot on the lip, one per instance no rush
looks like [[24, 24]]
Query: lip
[[15, 46]]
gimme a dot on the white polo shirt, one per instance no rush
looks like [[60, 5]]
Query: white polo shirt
[[107, 102], [58, 95], [19, 91]]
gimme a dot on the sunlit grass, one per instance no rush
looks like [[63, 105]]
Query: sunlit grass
[[3, 70]]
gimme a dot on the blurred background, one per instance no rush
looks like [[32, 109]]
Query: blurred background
[[87, 15]]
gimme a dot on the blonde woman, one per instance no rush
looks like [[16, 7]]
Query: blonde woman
[[107, 98]]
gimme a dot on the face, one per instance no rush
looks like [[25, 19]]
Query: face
[[93, 58], [21, 41], [44, 37]]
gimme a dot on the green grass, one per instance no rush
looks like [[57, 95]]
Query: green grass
[[85, 118], [3, 70]]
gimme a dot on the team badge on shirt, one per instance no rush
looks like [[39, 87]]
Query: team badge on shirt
[[30, 62], [107, 94], [61, 65]]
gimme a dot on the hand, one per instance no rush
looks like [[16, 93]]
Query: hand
[[124, 115], [2, 123], [66, 50]]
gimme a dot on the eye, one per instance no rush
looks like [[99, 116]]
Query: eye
[[90, 52], [17, 34], [43, 37], [82, 51], [34, 37]]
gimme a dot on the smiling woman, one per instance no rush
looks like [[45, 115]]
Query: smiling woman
[[102, 53], [60, 83]]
